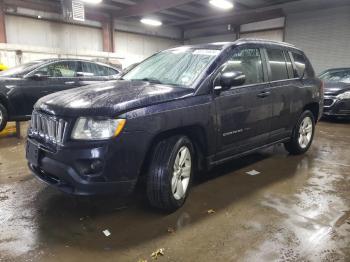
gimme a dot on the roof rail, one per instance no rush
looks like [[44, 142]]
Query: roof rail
[[265, 41]]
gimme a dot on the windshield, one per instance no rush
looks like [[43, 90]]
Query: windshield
[[180, 66], [336, 76], [20, 70]]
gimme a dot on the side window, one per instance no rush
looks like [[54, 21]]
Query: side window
[[249, 62], [300, 63], [277, 64], [92, 69], [112, 72], [290, 69], [59, 69], [88, 69]]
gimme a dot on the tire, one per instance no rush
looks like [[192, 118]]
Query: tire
[[302, 135], [3, 117], [163, 184]]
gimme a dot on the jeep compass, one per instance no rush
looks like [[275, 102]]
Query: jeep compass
[[179, 111]]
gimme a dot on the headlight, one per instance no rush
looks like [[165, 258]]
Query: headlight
[[95, 129], [345, 95]]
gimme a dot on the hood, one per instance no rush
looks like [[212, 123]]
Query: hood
[[109, 98], [335, 88]]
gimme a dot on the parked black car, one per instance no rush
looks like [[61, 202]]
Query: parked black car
[[22, 86], [181, 110], [337, 92]]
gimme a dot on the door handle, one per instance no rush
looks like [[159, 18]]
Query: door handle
[[264, 94], [70, 83]]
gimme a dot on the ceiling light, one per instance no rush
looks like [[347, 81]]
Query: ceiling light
[[222, 4], [94, 2], [151, 22]]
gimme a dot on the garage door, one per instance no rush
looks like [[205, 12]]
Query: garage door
[[275, 35]]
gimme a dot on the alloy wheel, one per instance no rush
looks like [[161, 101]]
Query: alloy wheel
[[181, 173], [305, 132]]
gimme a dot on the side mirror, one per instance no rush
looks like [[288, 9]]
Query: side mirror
[[228, 79], [39, 77]]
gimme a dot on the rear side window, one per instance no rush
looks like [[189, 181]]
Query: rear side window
[[92, 69], [277, 64], [300, 63]]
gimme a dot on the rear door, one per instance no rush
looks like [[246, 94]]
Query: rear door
[[244, 112], [284, 84], [60, 76]]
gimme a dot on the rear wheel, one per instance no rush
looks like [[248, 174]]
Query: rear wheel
[[303, 134], [170, 173], [3, 117]]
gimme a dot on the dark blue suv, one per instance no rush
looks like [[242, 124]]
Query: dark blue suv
[[179, 111]]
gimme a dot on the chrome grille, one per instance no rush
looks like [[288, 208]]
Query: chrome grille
[[47, 128]]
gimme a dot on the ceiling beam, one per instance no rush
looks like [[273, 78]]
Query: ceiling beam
[[35, 5], [234, 18], [148, 7]]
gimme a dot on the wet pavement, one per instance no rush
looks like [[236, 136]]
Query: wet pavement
[[296, 209]]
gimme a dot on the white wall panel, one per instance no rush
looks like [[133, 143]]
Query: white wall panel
[[211, 39], [323, 34], [275, 35], [135, 48], [35, 32]]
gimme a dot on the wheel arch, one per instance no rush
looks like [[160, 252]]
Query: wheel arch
[[4, 101], [314, 108], [195, 133]]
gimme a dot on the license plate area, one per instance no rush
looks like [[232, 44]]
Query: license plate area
[[33, 153]]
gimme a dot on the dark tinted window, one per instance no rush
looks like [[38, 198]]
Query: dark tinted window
[[277, 64], [300, 63], [248, 61], [59, 69]]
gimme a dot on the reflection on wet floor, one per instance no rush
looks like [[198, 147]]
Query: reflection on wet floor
[[296, 209]]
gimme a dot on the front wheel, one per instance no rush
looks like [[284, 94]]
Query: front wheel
[[303, 134], [170, 173], [3, 117]]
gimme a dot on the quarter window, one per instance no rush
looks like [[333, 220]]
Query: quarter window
[[248, 61], [59, 69], [300, 63], [277, 64]]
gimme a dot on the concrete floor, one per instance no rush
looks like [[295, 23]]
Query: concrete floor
[[297, 209]]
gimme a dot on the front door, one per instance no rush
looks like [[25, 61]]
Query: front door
[[59, 76], [244, 112]]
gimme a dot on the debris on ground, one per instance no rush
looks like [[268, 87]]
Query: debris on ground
[[106, 233], [158, 253], [171, 230], [142, 260], [211, 211], [253, 172]]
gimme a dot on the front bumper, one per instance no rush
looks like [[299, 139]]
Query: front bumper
[[65, 179], [335, 107], [68, 168]]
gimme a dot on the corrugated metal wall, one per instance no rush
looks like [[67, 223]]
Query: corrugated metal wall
[[35, 32], [135, 47], [323, 34]]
